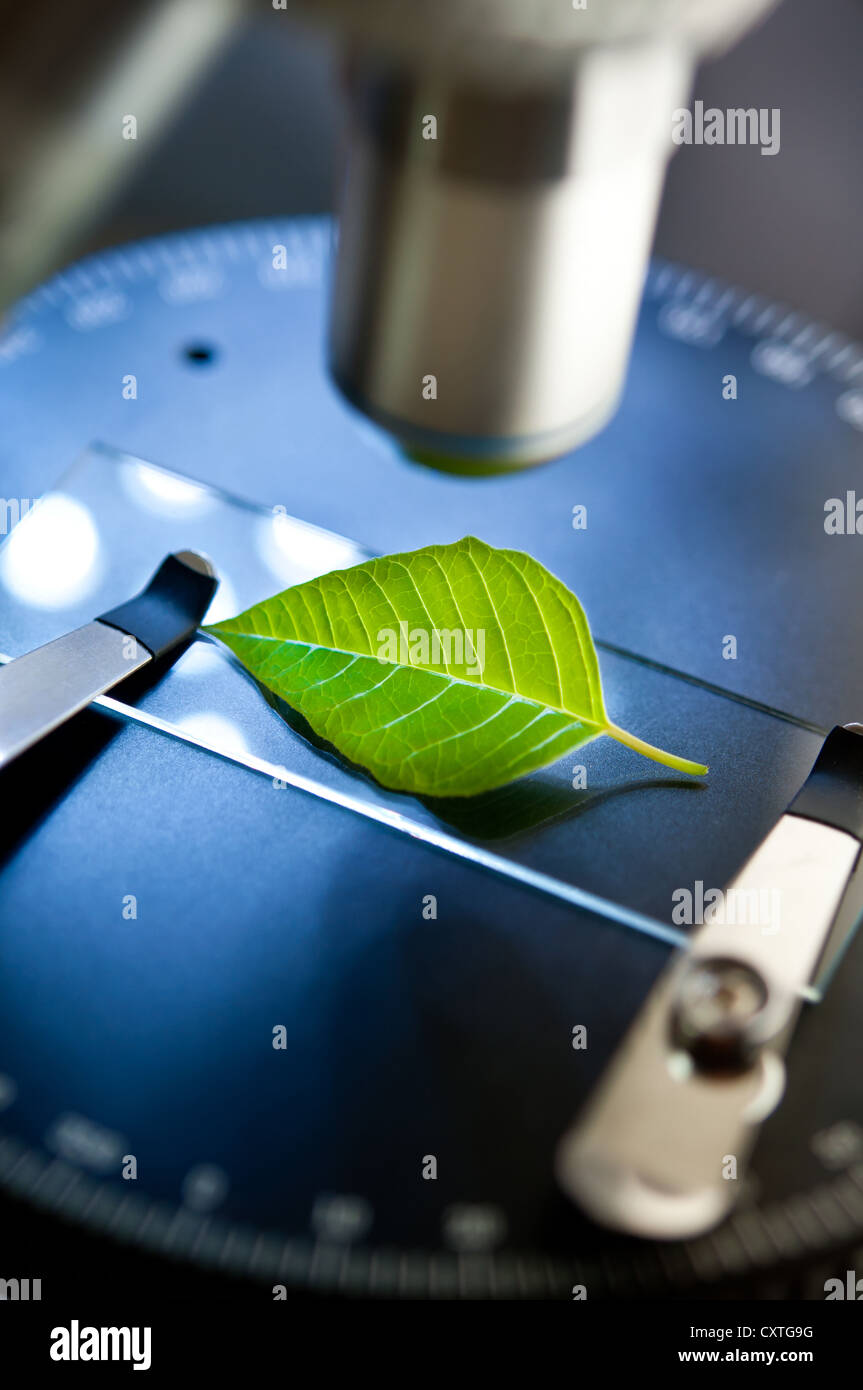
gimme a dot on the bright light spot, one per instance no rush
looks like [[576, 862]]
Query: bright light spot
[[680, 1065], [168, 494], [215, 730], [52, 558], [198, 660], [294, 552], [225, 603]]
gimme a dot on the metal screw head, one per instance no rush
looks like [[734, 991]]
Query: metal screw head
[[720, 1014]]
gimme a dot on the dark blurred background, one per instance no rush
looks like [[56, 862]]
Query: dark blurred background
[[259, 135]]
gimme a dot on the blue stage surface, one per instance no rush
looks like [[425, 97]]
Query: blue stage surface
[[258, 907]]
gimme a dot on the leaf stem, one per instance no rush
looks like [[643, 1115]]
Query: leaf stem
[[657, 754]]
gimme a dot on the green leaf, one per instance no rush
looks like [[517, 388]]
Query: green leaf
[[445, 671]]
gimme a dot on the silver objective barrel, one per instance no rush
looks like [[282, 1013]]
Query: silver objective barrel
[[503, 171]]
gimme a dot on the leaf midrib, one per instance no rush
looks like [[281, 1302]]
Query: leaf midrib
[[429, 670]]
